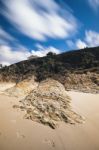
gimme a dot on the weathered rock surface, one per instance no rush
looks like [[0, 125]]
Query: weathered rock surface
[[6, 85], [49, 103], [23, 88], [88, 82]]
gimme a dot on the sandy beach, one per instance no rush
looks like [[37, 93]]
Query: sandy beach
[[17, 133]]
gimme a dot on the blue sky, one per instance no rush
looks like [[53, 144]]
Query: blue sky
[[38, 26]]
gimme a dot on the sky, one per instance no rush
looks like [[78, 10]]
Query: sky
[[35, 27]]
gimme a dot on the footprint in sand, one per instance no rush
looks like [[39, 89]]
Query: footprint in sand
[[49, 142]]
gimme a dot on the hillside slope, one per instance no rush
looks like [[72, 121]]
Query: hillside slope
[[77, 69]]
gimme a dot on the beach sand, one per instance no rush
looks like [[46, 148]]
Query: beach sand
[[17, 133]]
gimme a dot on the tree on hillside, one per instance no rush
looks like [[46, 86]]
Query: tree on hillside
[[1, 66], [51, 54]]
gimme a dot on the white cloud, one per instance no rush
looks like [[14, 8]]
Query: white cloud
[[80, 44], [42, 51], [94, 4], [70, 43], [10, 56], [91, 39], [5, 36], [39, 19], [4, 63], [39, 46], [3, 42]]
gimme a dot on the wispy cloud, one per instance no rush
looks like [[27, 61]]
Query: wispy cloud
[[5, 36], [80, 44], [9, 56], [91, 39], [42, 51], [6, 39], [38, 19], [94, 4]]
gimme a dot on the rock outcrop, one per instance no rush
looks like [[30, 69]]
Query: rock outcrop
[[85, 82], [49, 103], [23, 88]]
